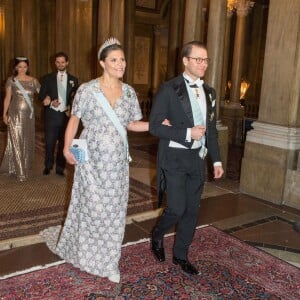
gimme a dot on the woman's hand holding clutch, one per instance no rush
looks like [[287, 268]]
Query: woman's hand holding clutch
[[70, 158], [77, 153]]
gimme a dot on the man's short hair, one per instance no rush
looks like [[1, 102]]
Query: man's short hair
[[61, 54], [187, 48]]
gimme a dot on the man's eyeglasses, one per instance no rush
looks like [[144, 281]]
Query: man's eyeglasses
[[200, 60]]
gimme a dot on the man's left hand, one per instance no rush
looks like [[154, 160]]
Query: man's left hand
[[218, 172], [47, 101]]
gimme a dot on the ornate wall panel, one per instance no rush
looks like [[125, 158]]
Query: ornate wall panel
[[141, 60]]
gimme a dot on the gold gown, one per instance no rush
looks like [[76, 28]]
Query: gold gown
[[19, 152]]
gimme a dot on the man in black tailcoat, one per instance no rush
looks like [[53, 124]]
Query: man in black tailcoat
[[189, 106], [56, 93]]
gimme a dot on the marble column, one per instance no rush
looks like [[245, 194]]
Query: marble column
[[215, 45], [104, 17], [27, 32], [7, 45], [233, 112], [190, 20], [74, 36], [63, 30], [226, 55], [260, 13], [47, 26], [156, 60], [27, 39], [269, 166], [4, 47], [174, 61], [103, 25], [201, 21], [242, 10], [213, 76], [129, 39], [2, 62], [111, 21], [117, 20]]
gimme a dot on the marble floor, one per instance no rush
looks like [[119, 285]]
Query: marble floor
[[262, 224]]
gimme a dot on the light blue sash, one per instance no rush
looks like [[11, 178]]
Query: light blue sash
[[198, 118], [26, 97], [115, 120]]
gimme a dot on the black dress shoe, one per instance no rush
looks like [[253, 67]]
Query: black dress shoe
[[185, 265], [158, 250], [46, 171]]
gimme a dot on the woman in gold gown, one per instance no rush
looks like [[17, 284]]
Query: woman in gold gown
[[18, 115]]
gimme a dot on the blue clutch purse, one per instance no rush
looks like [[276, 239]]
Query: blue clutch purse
[[79, 150]]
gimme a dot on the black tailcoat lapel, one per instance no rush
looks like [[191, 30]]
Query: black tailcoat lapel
[[182, 93]]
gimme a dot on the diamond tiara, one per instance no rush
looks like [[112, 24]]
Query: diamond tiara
[[21, 58], [107, 43]]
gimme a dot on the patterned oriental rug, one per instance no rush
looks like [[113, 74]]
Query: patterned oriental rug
[[230, 269], [35, 205], [28, 207]]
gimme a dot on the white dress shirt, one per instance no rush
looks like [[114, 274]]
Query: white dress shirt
[[61, 77]]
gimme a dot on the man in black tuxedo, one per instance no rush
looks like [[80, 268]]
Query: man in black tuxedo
[[57, 91], [189, 105]]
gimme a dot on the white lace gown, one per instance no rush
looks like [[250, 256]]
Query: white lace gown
[[93, 232]]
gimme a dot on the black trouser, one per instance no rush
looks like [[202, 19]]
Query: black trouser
[[185, 172], [55, 126]]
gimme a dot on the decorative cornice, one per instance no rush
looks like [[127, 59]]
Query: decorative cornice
[[242, 7], [274, 135], [229, 13], [230, 7]]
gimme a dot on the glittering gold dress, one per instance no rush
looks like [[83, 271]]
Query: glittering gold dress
[[19, 152]]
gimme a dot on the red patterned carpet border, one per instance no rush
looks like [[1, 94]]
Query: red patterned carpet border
[[230, 269]]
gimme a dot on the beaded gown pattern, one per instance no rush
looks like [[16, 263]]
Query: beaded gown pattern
[[19, 152], [93, 232]]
